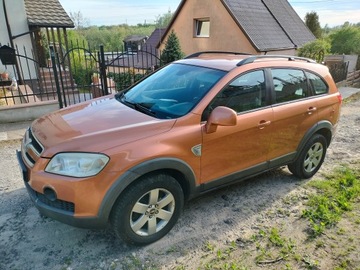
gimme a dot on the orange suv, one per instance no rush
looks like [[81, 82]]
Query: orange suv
[[132, 159]]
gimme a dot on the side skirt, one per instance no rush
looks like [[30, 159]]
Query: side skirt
[[244, 174]]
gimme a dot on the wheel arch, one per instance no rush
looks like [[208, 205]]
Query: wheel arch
[[325, 128], [177, 168], [327, 134]]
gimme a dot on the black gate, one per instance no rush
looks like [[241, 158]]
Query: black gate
[[22, 82], [82, 75], [75, 75], [79, 75]]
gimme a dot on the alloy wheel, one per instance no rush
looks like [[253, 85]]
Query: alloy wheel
[[313, 157], [152, 212]]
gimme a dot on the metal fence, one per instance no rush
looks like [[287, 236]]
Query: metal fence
[[20, 82], [73, 76], [81, 73], [338, 71]]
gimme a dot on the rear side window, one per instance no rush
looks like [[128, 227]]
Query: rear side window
[[317, 84], [289, 84]]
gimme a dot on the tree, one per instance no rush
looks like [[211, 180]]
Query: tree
[[312, 22], [316, 49], [163, 21], [346, 40], [172, 49], [79, 20]]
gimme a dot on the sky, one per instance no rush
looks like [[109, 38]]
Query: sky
[[113, 12]]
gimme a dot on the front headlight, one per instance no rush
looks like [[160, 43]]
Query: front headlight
[[77, 164]]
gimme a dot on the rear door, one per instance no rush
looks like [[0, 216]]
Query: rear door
[[328, 105], [295, 112]]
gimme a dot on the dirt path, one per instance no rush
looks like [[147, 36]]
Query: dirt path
[[29, 241]]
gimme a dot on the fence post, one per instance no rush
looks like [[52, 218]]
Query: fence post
[[58, 90], [103, 75]]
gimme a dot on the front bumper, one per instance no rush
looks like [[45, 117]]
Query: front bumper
[[57, 209]]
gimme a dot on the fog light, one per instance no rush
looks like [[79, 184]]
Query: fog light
[[50, 194]]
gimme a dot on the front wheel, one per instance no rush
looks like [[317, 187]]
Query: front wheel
[[147, 210], [311, 157]]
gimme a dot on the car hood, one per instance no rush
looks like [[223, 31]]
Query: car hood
[[95, 126]]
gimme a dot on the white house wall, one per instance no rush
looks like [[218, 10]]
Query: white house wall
[[18, 23], [3, 31]]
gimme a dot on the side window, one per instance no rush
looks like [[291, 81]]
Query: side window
[[317, 84], [289, 84], [246, 92]]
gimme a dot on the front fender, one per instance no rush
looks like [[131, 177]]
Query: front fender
[[139, 170]]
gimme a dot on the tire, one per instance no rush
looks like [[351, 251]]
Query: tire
[[147, 210], [311, 158]]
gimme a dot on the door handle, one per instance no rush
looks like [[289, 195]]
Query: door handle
[[262, 124], [311, 110]]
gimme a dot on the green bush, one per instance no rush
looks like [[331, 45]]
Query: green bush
[[316, 50], [82, 67]]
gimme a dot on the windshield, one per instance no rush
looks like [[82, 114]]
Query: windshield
[[172, 91]]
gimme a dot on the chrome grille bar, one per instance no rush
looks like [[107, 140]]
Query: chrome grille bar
[[31, 148]]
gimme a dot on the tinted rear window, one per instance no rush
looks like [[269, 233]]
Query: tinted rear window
[[318, 85]]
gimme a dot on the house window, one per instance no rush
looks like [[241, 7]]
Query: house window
[[202, 27]]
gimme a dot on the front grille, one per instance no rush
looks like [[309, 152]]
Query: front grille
[[35, 142], [31, 148], [58, 204]]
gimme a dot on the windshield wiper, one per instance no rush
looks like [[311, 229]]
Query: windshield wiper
[[137, 106], [144, 109]]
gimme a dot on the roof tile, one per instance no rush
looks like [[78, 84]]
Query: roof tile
[[290, 21], [270, 24], [49, 13]]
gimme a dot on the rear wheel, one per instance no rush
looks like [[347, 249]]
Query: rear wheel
[[311, 157], [148, 210]]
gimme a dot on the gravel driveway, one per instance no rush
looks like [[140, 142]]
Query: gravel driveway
[[30, 241]]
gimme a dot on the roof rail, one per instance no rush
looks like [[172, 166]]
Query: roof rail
[[252, 59], [215, 52]]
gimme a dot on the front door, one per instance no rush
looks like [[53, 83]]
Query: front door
[[243, 147]]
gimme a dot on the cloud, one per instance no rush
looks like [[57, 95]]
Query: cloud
[[339, 18]]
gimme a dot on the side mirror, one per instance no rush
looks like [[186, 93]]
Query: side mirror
[[220, 116]]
